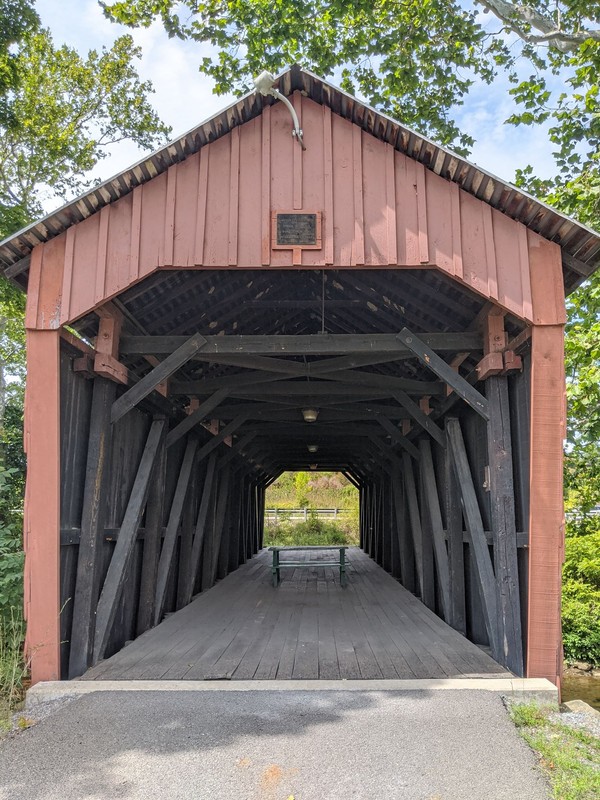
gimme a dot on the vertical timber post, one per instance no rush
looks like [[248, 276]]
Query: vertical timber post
[[546, 510], [42, 505], [89, 561], [546, 516], [454, 527]]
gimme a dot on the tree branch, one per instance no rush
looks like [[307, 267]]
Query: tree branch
[[517, 17]]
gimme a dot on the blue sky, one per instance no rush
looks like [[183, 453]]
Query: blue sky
[[184, 98]]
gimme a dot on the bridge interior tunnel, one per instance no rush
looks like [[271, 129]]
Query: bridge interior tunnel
[[211, 383]]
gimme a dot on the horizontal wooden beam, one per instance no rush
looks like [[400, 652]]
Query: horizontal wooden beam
[[72, 536], [577, 266], [316, 344], [378, 388]]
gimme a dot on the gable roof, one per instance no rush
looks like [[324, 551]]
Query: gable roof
[[580, 244]]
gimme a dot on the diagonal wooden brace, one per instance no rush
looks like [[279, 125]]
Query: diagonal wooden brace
[[445, 372], [156, 376]]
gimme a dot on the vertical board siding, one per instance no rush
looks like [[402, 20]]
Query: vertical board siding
[[152, 231], [250, 209], [120, 234], [379, 208], [186, 210]]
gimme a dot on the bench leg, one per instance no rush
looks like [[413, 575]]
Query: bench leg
[[275, 569], [343, 568]]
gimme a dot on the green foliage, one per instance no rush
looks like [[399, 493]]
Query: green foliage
[[13, 668], [60, 116], [17, 19], [312, 490], [581, 621], [314, 531], [11, 552], [413, 59], [581, 590], [569, 758]]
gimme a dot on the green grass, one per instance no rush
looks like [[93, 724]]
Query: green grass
[[312, 532], [569, 758], [13, 669]]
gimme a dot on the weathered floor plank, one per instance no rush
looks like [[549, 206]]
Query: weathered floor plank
[[308, 628]]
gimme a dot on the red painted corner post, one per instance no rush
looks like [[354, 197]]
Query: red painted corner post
[[548, 410], [42, 505], [546, 517]]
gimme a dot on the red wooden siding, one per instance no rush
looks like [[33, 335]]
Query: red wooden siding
[[379, 208]]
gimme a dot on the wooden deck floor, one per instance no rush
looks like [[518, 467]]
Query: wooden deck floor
[[308, 628]]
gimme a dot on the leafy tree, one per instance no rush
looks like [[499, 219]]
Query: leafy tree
[[414, 59], [60, 117], [59, 112]]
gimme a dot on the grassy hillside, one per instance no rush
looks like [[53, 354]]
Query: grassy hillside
[[311, 491]]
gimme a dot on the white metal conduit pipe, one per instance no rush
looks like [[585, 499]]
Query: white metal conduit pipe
[[264, 84]]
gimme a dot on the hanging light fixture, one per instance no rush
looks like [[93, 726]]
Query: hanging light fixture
[[310, 414], [312, 448]]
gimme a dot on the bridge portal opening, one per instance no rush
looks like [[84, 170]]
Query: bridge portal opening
[[195, 322]]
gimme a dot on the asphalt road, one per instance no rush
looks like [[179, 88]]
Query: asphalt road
[[315, 745]]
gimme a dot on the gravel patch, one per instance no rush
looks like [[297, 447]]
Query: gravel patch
[[22, 720], [578, 719]]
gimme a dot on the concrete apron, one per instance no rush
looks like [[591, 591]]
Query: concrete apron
[[521, 690]]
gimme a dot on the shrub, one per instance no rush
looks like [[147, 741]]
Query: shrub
[[581, 591], [581, 621], [312, 532], [12, 664], [11, 551]]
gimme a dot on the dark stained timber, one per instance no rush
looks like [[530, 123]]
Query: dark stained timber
[[454, 526], [156, 376], [170, 540], [432, 505], [196, 416], [221, 512], [219, 437], [152, 541], [445, 372], [420, 417], [92, 527], [237, 448], [113, 583], [415, 520], [314, 344], [398, 437], [360, 384], [200, 528], [473, 521], [407, 559], [502, 503]]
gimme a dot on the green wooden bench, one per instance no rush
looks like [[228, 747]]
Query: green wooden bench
[[278, 564]]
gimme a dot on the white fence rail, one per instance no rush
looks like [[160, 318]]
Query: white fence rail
[[303, 514]]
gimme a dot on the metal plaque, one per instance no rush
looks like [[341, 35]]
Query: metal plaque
[[297, 230]]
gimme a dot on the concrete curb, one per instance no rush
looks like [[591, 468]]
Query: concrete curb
[[521, 690]]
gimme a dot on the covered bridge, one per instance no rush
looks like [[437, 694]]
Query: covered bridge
[[185, 319]]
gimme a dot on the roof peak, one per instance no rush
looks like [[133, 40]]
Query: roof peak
[[580, 244]]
